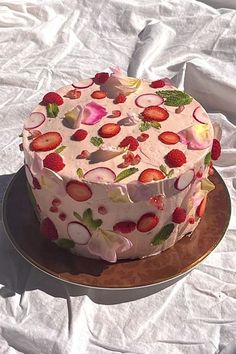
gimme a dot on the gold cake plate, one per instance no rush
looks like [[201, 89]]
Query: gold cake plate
[[22, 228]]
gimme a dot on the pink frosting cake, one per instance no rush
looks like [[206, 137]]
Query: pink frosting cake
[[118, 167]]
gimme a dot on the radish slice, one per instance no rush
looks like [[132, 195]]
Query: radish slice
[[200, 115], [83, 84], [78, 233], [100, 175], [34, 120], [148, 99], [184, 180]]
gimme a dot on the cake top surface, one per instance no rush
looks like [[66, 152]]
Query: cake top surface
[[114, 128]]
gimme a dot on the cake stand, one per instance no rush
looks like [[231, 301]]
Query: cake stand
[[160, 271]]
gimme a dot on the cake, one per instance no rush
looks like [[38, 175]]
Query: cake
[[117, 167]]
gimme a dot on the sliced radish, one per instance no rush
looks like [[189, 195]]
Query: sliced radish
[[83, 84], [184, 180], [34, 120], [100, 175], [200, 115], [148, 99], [78, 233]]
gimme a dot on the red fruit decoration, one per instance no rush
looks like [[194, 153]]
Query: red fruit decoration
[[116, 113], [151, 174], [143, 137], [125, 227], [155, 113], [169, 138], [129, 142], [179, 215], [48, 229], [201, 208], [54, 162], [157, 84], [79, 135], [73, 94], [78, 191], [46, 142], [109, 130], [98, 95], [120, 99], [130, 159], [52, 97], [216, 149], [175, 158], [147, 222], [101, 78]]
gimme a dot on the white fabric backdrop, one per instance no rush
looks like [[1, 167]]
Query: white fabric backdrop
[[47, 44]]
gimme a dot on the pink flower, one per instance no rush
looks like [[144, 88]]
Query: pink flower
[[92, 113]]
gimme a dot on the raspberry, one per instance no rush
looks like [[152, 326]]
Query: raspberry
[[62, 216], [101, 78], [157, 84], [129, 141], [52, 97], [130, 159], [179, 215], [216, 149], [54, 162], [79, 135], [191, 220], [120, 99], [175, 158]]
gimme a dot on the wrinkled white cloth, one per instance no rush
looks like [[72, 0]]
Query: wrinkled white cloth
[[47, 44]]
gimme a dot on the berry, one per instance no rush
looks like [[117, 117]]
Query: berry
[[125, 227], [84, 154], [143, 137], [199, 174], [131, 142], [73, 94], [147, 222], [157, 84], [157, 201], [216, 149], [79, 135], [130, 159], [169, 138], [191, 220], [46, 142], [179, 215], [98, 94], [101, 78], [109, 130], [48, 229], [62, 216], [120, 99], [116, 113], [175, 158], [78, 191], [52, 97], [56, 202], [54, 162], [151, 174], [201, 207], [155, 113], [102, 210], [54, 209]]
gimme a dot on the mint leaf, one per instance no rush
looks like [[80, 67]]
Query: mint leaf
[[96, 141], [163, 169], [95, 224], [175, 98], [65, 243], [126, 173], [167, 173], [78, 216], [144, 126], [170, 173], [60, 149], [163, 234], [89, 221], [52, 110], [80, 172], [156, 125], [207, 159]]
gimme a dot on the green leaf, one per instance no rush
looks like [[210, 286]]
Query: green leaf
[[163, 169], [126, 173], [78, 216], [170, 173], [156, 125], [89, 221], [96, 141], [80, 172], [65, 243], [163, 234], [175, 98], [207, 159], [60, 149], [95, 224], [52, 110], [144, 126]]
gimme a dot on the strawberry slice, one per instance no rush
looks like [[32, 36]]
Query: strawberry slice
[[151, 174], [125, 227], [201, 207], [155, 113], [78, 191], [46, 142], [147, 222], [98, 94], [169, 138], [109, 130]]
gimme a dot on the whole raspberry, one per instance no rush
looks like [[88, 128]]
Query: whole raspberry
[[157, 84], [175, 158], [216, 149], [179, 215], [54, 162], [52, 97], [131, 142]]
